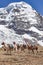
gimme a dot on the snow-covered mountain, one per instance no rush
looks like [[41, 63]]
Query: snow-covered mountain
[[19, 21]]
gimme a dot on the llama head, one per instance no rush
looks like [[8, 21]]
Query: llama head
[[2, 43], [14, 43]]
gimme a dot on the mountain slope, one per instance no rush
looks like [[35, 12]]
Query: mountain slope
[[21, 19]]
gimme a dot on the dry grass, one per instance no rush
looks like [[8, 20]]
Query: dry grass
[[22, 58]]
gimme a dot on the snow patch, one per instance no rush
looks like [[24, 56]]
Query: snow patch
[[34, 29]]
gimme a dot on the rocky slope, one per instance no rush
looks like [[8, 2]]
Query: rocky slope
[[19, 20]]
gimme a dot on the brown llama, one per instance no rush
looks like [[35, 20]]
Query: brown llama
[[35, 48], [18, 46], [32, 47], [22, 47], [7, 47]]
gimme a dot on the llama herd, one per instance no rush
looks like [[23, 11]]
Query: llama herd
[[17, 47]]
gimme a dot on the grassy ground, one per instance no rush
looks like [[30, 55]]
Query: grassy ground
[[22, 58]]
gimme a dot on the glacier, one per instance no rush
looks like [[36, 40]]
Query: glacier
[[19, 21]]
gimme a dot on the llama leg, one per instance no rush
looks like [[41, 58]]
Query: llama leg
[[36, 51], [33, 51], [16, 48], [29, 51], [10, 51], [7, 51]]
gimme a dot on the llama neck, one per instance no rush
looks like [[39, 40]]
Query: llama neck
[[5, 45]]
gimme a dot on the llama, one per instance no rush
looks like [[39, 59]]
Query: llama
[[18, 46], [35, 48], [32, 47], [22, 47], [7, 47], [15, 46]]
